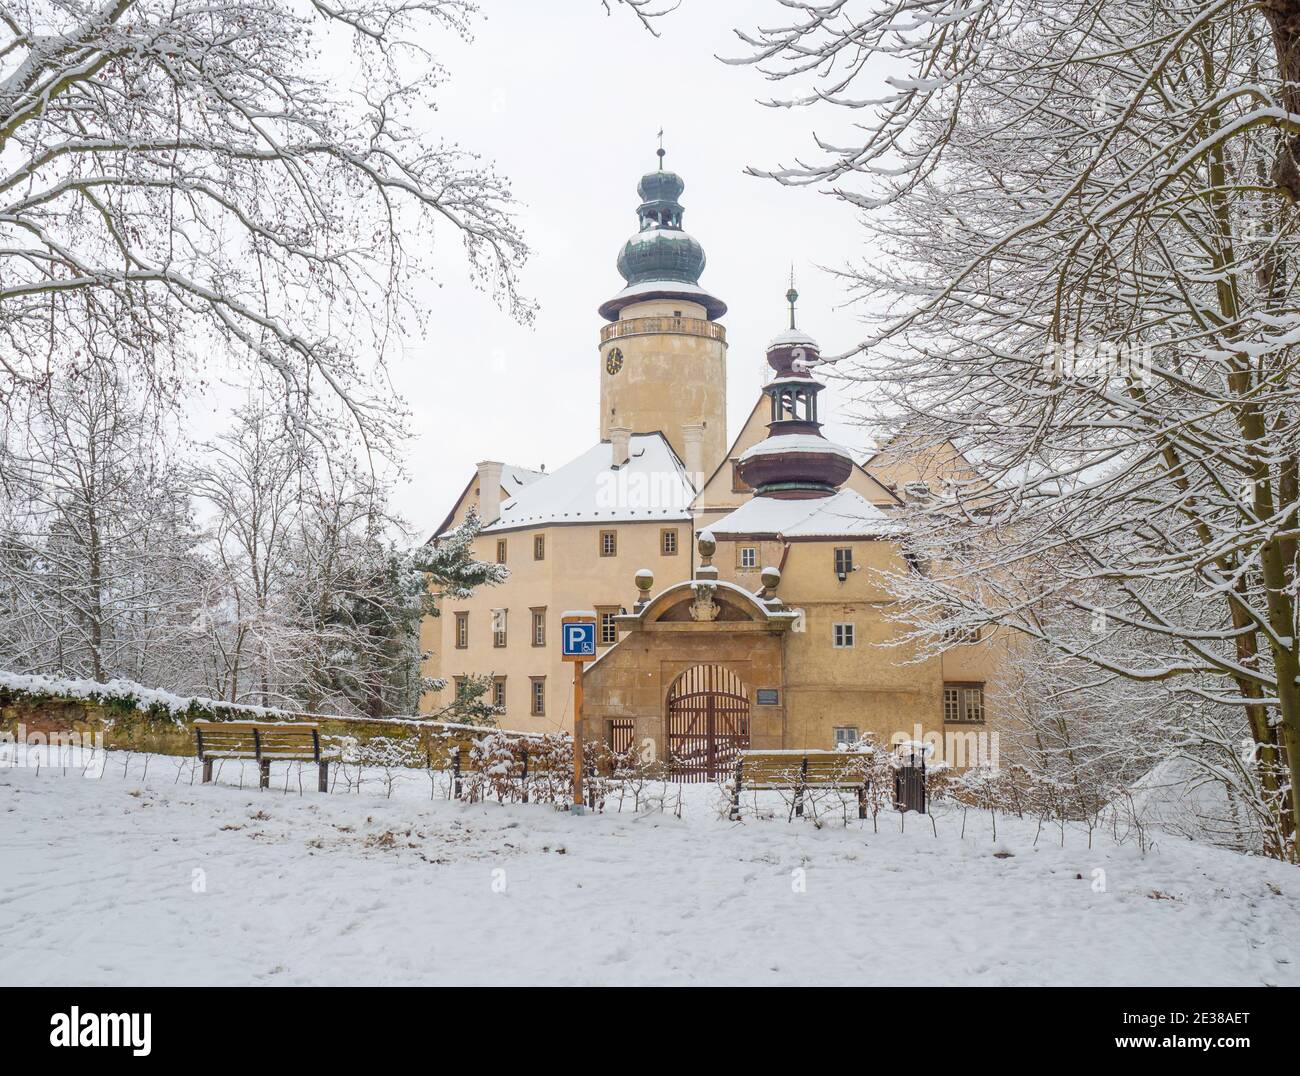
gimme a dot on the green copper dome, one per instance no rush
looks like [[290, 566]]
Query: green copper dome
[[661, 186], [661, 250], [661, 254], [661, 260]]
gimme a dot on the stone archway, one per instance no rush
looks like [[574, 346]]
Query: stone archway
[[706, 718]]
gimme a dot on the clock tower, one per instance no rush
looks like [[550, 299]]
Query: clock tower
[[663, 357]]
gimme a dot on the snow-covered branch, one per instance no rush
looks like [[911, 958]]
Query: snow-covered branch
[[189, 176]]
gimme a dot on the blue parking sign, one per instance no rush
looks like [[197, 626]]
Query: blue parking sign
[[578, 639]]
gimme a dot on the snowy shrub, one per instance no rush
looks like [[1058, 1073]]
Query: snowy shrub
[[390, 755]]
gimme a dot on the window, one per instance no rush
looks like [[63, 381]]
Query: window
[[843, 562], [499, 691], [738, 484], [609, 543], [539, 626], [461, 685], [462, 631], [842, 636], [668, 542], [620, 735], [606, 629], [501, 550], [845, 735], [537, 685], [499, 627], [962, 635], [747, 557], [963, 703], [539, 547]]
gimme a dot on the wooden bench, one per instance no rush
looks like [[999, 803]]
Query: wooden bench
[[800, 772], [265, 742]]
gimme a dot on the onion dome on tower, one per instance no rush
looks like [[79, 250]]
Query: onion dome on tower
[[661, 261], [795, 460]]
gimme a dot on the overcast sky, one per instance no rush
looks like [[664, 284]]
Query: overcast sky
[[567, 102]]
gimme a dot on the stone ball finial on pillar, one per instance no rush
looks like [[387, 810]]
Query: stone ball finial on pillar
[[707, 546], [645, 579]]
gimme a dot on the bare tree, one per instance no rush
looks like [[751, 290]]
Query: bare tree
[[184, 177], [318, 592], [98, 553], [1084, 229], [644, 10], [249, 480]]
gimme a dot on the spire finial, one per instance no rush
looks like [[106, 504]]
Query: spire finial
[[660, 151], [791, 296]]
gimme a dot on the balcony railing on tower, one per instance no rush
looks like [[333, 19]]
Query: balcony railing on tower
[[642, 326]]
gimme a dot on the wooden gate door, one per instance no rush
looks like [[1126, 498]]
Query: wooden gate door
[[708, 723]]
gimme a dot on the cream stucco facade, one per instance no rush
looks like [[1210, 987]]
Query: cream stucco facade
[[572, 574], [663, 366], [663, 471], [805, 690]]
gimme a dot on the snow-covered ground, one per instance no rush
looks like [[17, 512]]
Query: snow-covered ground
[[144, 878]]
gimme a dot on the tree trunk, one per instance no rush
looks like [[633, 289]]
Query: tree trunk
[[1284, 20]]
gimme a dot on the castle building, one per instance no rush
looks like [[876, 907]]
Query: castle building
[[739, 585]]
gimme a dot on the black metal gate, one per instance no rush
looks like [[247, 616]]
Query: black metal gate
[[708, 723]]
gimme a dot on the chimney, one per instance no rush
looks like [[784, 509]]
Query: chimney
[[620, 441], [489, 491], [693, 444]]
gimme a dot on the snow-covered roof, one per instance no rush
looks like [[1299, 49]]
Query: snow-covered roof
[[795, 442], [677, 287], [513, 478], [680, 289], [845, 514], [652, 484], [661, 232]]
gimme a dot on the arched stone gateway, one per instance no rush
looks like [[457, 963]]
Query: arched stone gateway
[[707, 722], [698, 674]]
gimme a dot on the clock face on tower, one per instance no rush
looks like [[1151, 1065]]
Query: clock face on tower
[[613, 361]]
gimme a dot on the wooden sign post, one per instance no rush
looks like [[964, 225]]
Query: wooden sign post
[[577, 643]]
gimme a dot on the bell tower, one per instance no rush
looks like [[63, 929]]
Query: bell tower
[[795, 461], [663, 357]]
